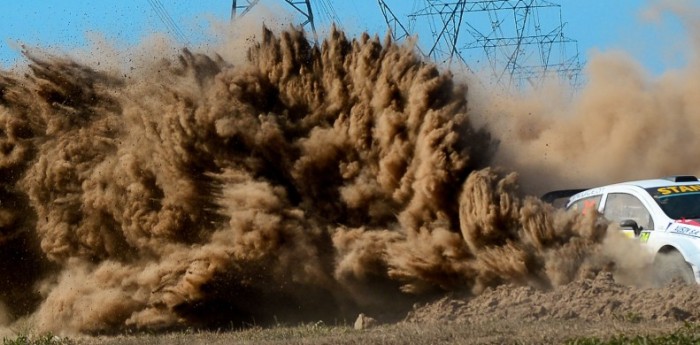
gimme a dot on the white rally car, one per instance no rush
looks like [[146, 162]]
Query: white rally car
[[664, 214]]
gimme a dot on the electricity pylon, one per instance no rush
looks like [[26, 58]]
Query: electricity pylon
[[241, 8], [508, 37]]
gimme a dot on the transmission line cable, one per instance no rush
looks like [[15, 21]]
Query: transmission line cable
[[167, 20], [178, 31]]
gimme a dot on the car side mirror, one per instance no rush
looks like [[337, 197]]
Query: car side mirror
[[631, 224]]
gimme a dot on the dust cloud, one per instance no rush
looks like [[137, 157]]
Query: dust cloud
[[302, 182], [623, 125]]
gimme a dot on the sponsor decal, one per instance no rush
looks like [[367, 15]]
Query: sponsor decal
[[684, 230], [688, 222], [588, 193], [678, 189]]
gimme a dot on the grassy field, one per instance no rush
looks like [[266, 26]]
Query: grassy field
[[556, 332]]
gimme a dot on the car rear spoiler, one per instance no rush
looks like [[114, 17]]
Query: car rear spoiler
[[554, 197]]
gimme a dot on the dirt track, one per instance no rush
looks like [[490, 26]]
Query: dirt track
[[599, 299], [591, 307], [586, 308]]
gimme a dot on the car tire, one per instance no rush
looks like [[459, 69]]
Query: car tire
[[671, 266]]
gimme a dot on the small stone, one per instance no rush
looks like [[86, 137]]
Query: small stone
[[363, 322]]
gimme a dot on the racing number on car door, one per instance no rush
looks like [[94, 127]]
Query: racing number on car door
[[621, 206], [644, 236]]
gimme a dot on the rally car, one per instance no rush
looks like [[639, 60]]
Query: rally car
[[664, 214]]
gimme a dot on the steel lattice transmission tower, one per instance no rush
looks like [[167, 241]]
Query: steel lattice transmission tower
[[242, 7], [521, 42]]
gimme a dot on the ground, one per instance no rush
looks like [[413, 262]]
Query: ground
[[586, 308]]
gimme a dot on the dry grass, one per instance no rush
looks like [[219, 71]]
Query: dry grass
[[556, 332]]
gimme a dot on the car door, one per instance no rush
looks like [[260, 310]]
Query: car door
[[625, 208]]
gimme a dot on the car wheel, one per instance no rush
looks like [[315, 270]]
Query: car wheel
[[670, 266]]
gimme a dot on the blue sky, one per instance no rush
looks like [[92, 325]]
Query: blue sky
[[596, 24]]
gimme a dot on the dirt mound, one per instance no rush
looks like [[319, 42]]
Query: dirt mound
[[597, 299]]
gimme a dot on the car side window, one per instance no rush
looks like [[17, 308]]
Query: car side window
[[621, 206], [586, 204]]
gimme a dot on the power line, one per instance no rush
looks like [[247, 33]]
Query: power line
[[167, 20], [507, 35], [172, 22], [329, 11]]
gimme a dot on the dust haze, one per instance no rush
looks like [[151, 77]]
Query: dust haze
[[277, 180], [626, 123]]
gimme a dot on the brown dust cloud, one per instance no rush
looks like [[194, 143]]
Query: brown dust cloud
[[304, 183]]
